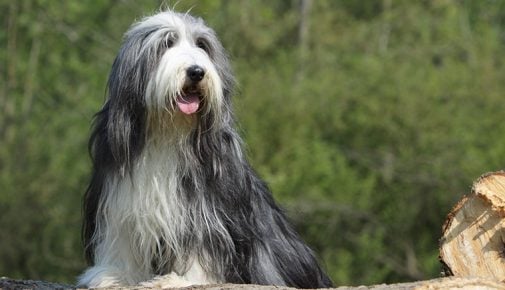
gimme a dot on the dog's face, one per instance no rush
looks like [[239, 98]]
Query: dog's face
[[172, 64], [185, 78]]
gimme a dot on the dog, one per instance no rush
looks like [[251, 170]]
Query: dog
[[172, 198]]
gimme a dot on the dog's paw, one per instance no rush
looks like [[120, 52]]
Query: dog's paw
[[171, 280], [99, 277]]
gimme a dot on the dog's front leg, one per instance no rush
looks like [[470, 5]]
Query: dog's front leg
[[114, 265], [100, 276]]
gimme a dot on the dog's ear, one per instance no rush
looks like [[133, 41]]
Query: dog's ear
[[125, 111]]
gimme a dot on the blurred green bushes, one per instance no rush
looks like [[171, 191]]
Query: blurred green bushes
[[368, 126]]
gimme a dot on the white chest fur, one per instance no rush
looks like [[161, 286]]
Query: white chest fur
[[145, 217]]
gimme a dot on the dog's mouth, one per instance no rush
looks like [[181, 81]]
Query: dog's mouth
[[189, 101]]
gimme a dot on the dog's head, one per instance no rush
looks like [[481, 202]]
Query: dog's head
[[171, 78], [170, 65]]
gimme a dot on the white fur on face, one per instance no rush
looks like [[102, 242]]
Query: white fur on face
[[170, 77], [168, 80]]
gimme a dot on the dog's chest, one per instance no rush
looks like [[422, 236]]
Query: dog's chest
[[148, 202], [156, 184]]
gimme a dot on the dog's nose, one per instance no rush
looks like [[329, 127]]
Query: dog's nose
[[195, 73]]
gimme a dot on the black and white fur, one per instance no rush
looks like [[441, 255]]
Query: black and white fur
[[172, 192]]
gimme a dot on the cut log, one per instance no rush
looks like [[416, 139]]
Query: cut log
[[472, 243]]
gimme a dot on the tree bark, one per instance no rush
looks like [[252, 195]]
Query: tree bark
[[473, 238]]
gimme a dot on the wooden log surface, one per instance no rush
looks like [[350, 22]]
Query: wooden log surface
[[441, 283], [473, 238]]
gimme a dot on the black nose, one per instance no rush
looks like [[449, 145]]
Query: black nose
[[195, 73]]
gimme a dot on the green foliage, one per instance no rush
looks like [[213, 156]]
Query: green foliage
[[367, 130]]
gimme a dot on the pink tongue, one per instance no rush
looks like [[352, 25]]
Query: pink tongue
[[188, 104]]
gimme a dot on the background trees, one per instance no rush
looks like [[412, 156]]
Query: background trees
[[368, 119]]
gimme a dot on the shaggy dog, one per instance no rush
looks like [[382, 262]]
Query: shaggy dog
[[171, 192]]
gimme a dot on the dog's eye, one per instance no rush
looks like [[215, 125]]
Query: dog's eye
[[201, 43], [169, 42]]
